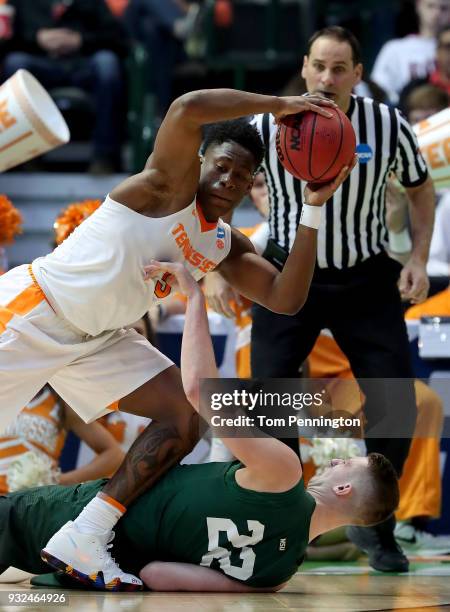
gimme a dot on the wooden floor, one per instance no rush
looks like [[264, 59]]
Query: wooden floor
[[352, 593]]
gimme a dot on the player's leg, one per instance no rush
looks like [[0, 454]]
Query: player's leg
[[170, 436], [17, 388], [150, 385], [29, 517], [281, 343], [28, 357], [371, 332], [368, 326], [420, 484], [130, 374]]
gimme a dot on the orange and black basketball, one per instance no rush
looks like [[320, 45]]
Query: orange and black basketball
[[315, 148]]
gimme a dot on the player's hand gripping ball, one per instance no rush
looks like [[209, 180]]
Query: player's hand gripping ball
[[315, 148]]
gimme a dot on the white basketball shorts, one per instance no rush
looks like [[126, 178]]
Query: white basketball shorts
[[37, 346]]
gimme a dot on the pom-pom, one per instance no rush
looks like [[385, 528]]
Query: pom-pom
[[323, 450], [72, 216], [31, 469], [10, 221]]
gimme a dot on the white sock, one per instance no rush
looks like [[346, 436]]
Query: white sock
[[99, 516]]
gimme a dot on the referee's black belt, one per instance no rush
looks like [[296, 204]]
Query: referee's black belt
[[371, 267]]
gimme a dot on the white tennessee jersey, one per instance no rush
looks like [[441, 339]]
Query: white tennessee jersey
[[95, 278]]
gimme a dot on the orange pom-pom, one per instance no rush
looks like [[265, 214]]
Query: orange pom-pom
[[72, 216], [10, 221]]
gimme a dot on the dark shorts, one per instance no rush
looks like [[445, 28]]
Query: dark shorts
[[6, 539]]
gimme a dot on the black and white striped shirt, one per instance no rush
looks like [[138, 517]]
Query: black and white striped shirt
[[353, 227]]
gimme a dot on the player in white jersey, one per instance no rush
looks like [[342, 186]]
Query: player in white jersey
[[62, 318]]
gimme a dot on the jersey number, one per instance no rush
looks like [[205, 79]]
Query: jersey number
[[244, 542], [162, 287]]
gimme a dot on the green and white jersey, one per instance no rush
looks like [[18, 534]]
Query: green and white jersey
[[196, 514]]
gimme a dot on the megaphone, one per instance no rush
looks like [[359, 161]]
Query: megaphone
[[433, 135], [30, 122]]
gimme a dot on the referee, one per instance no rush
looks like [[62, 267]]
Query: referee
[[356, 291]]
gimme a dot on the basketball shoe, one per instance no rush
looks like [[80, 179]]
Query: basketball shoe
[[385, 554], [418, 542], [86, 558]]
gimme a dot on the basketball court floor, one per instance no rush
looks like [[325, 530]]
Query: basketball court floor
[[320, 586]]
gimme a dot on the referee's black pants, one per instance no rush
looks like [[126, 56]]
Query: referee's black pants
[[362, 308]]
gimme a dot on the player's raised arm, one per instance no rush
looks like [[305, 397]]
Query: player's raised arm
[[179, 136], [270, 463], [197, 353], [172, 170]]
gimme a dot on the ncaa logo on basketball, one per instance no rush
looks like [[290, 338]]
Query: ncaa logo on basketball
[[295, 134], [364, 153], [220, 232]]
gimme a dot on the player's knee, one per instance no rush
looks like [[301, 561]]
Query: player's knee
[[151, 575]]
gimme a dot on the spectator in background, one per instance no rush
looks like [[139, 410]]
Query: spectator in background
[[439, 78], [161, 27], [420, 103], [403, 59], [441, 75], [438, 266], [424, 101], [75, 43]]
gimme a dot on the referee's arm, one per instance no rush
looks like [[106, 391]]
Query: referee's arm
[[412, 172], [414, 283], [422, 205]]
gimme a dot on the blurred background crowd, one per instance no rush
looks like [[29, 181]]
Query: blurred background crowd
[[114, 66]]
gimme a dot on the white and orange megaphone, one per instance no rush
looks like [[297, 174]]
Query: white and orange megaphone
[[30, 122], [433, 135]]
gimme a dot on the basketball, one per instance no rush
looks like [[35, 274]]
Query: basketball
[[315, 148]]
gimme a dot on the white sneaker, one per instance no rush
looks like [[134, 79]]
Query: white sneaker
[[414, 541], [86, 558]]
